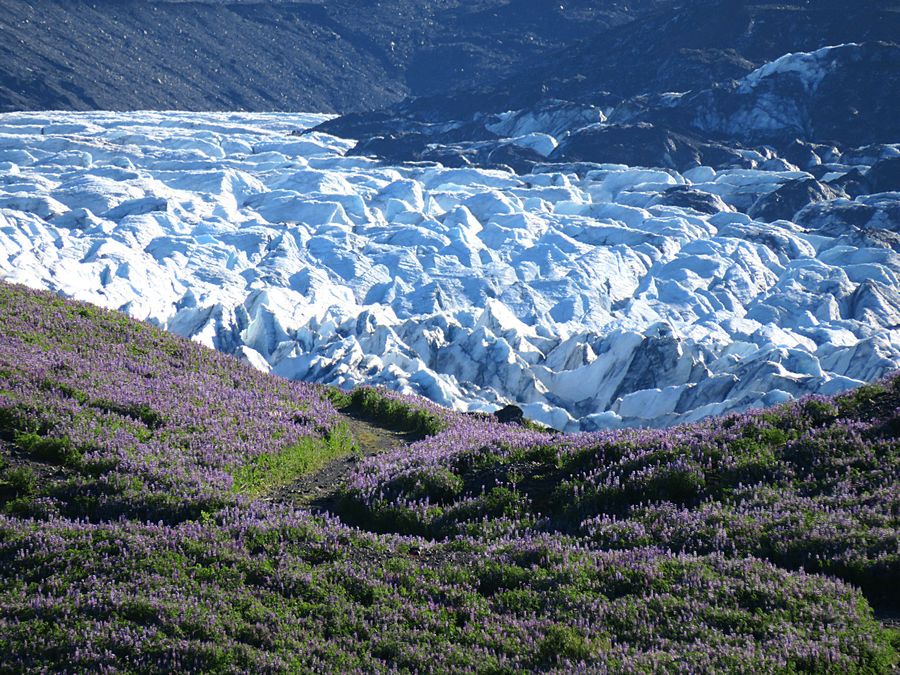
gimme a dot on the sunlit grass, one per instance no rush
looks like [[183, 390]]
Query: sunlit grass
[[271, 471]]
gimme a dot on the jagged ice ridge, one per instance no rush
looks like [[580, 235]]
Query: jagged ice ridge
[[576, 293]]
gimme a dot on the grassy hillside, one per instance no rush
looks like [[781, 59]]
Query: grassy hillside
[[139, 531], [104, 417]]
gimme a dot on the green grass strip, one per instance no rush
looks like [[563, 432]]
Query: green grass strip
[[272, 471]]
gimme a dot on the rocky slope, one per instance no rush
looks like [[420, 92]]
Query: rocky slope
[[840, 98], [676, 47], [453, 58], [300, 55]]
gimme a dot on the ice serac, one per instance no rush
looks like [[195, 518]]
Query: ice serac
[[592, 295]]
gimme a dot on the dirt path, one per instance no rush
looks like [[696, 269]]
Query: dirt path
[[317, 490]]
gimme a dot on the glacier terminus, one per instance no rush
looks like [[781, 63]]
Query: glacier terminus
[[594, 296]]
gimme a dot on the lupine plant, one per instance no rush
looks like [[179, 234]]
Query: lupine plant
[[141, 528], [811, 485]]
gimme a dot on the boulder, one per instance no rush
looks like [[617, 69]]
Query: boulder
[[510, 414]]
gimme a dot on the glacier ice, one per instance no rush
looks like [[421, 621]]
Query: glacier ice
[[596, 298]]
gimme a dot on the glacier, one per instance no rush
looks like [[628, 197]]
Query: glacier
[[592, 295]]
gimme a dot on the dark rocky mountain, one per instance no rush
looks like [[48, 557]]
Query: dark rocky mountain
[[847, 94], [725, 83], [683, 45], [260, 55]]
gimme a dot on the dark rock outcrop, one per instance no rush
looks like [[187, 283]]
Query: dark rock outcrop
[[510, 414], [884, 176], [801, 153], [786, 201], [632, 144], [692, 198], [853, 183], [870, 222]]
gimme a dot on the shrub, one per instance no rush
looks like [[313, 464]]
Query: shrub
[[395, 414], [438, 485], [58, 450], [19, 481], [563, 643]]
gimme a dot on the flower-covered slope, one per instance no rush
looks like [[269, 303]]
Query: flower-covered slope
[[134, 420], [810, 485], [131, 538]]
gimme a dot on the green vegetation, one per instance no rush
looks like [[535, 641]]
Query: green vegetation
[[388, 410], [59, 450], [268, 472], [134, 536]]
